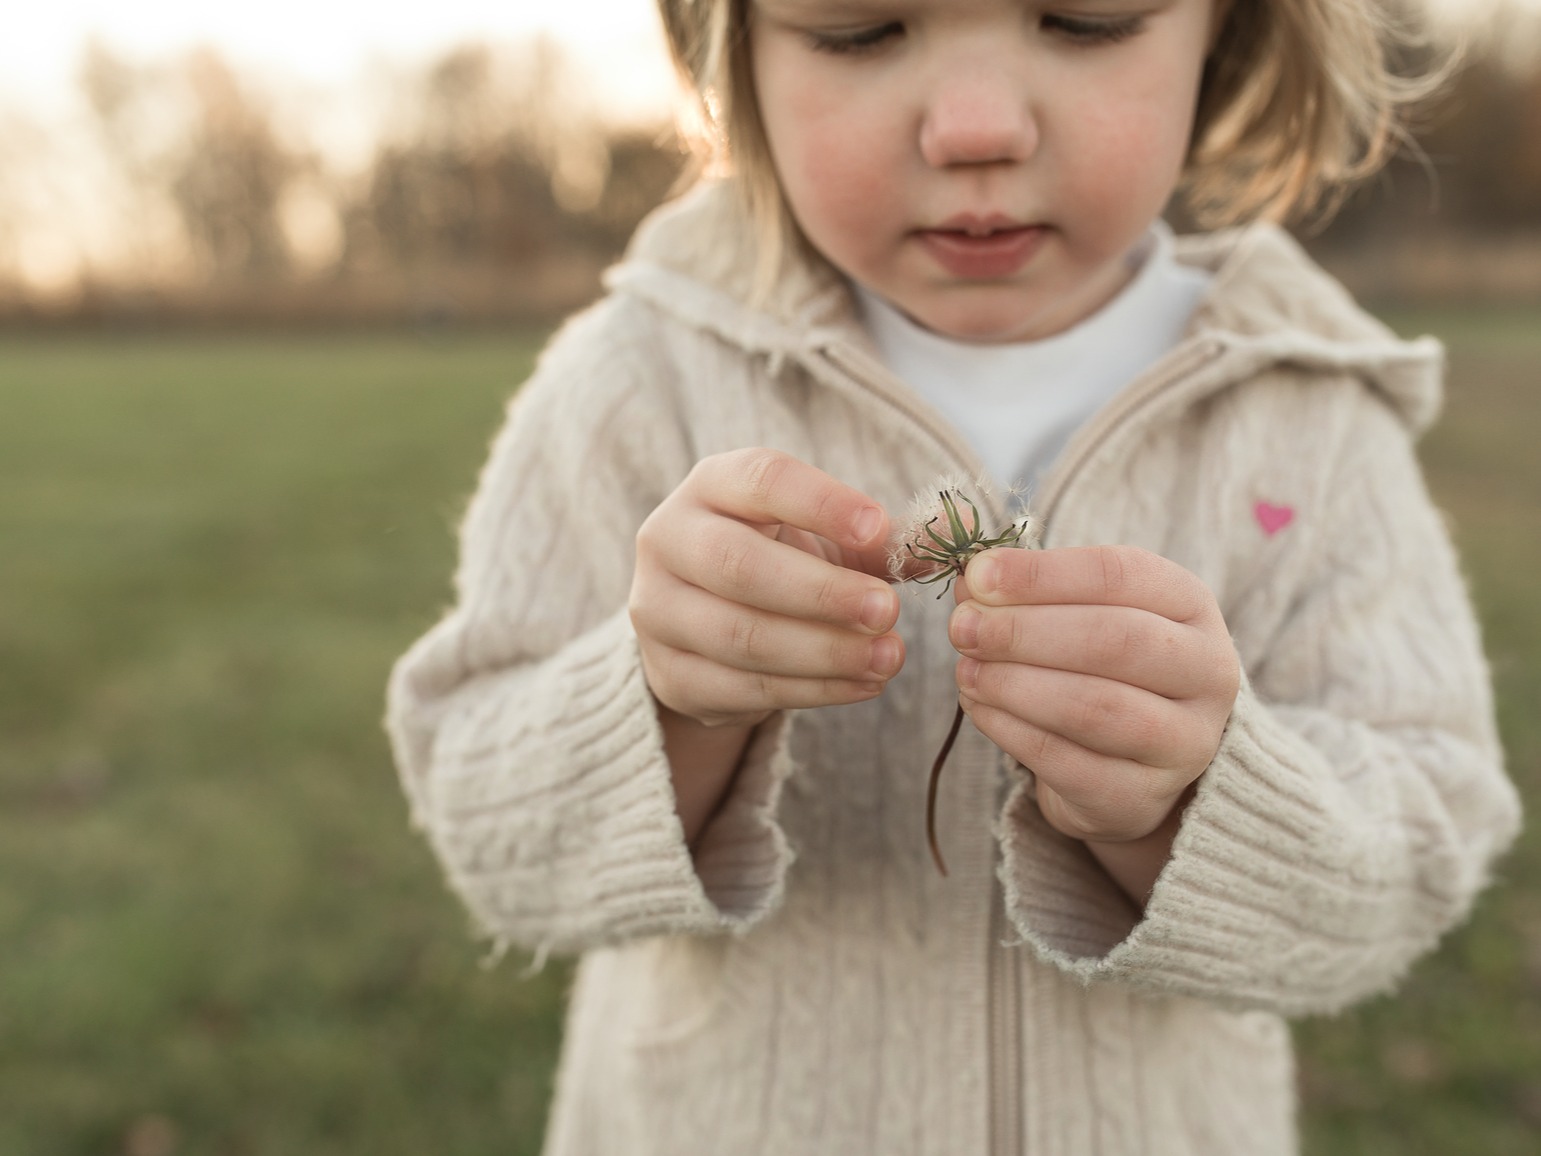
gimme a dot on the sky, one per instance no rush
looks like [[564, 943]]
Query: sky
[[329, 42], [327, 54]]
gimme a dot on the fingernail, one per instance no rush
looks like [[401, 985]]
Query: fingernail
[[968, 673], [965, 627], [984, 574], [887, 657], [877, 611], [868, 523]]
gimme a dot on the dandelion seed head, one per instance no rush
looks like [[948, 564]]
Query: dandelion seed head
[[944, 528]]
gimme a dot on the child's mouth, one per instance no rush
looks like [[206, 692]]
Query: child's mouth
[[981, 252]]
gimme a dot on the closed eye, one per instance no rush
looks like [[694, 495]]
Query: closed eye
[[1091, 32], [856, 42]]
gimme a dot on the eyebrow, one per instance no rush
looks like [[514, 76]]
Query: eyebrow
[[836, 10]]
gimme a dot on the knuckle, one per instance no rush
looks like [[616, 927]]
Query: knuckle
[[706, 475], [852, 658], [844, 659], [1225, 674], [1026, 577], [763, 471], [1200, 739], [1115, 640], [1093, 712], [732, 563], [992, 637], [640, 610], [1107, 712], [746, 637], [1041, 747], [1145, 731], [661, 667], [1005, 633], [1114, 564], [1068, 818], [1079, 825], [763, 690], [776, 693], [828, 506], [829, 599], [652, 534]]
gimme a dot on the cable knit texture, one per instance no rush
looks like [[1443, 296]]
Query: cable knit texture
[[805, 982]]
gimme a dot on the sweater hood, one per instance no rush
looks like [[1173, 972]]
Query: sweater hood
[[693, 259]]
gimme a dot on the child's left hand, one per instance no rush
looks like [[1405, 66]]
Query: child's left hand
[[1106, 670]]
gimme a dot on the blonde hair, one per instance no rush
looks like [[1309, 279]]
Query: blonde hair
[[1299, 102]]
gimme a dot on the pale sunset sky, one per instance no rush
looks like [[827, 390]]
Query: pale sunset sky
[[328, 42], [327, 61]]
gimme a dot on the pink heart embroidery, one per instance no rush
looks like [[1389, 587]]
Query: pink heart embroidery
[[1273, 518]]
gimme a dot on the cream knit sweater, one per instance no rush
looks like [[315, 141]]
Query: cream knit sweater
[[807, 983]]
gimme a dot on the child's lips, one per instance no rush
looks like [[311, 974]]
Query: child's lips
[[982, 251]]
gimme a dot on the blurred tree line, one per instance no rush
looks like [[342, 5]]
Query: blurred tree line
[[1458, 213], [492, 190]]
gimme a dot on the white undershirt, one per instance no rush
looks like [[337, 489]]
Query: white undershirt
[[1018, 404]]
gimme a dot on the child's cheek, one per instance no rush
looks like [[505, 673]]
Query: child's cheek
[[842, 195]]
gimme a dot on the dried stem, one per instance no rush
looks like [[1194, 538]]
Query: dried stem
[[936, 778], [945, 543]]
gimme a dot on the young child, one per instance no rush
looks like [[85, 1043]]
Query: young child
[[680, 721]]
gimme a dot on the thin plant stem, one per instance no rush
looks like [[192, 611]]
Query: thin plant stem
[[945, 543], [936, 778]]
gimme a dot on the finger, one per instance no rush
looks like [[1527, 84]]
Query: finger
[[1098, 575], [1094, 796], [767, 488], [736, 562], [1108, 717], [1126, 644], [719, 695], [873, 561], [688, 618]]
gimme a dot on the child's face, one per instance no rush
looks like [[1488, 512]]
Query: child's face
[[984, 165]]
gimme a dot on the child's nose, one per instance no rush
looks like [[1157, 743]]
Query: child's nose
[[978, 116]]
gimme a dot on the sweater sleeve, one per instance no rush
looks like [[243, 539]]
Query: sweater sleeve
[[1356, 803], [523, 729]]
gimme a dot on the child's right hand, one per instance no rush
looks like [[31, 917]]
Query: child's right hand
[[759, 586]]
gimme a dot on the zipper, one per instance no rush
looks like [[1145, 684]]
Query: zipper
[[875, 378], [1006, 1107], [1003, 973], [1182, 362]]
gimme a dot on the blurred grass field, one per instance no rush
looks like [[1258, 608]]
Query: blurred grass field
[[217, 934]]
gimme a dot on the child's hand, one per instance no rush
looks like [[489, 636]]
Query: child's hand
[[757, 588], [1107, 670]]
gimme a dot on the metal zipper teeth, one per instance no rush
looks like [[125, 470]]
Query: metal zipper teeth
[[1181, 363], [1004, 977], [874, 378], [1008, 1110], [1002, 969], [1006, 1099]]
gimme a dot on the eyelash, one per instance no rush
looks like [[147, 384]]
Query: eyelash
[[1086, 32], [1092, 32], [854, 43]]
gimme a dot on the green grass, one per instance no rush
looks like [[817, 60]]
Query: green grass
[[218, 935], [1452, 1062]]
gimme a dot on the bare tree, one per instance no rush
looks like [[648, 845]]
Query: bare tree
[[227, 179]]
